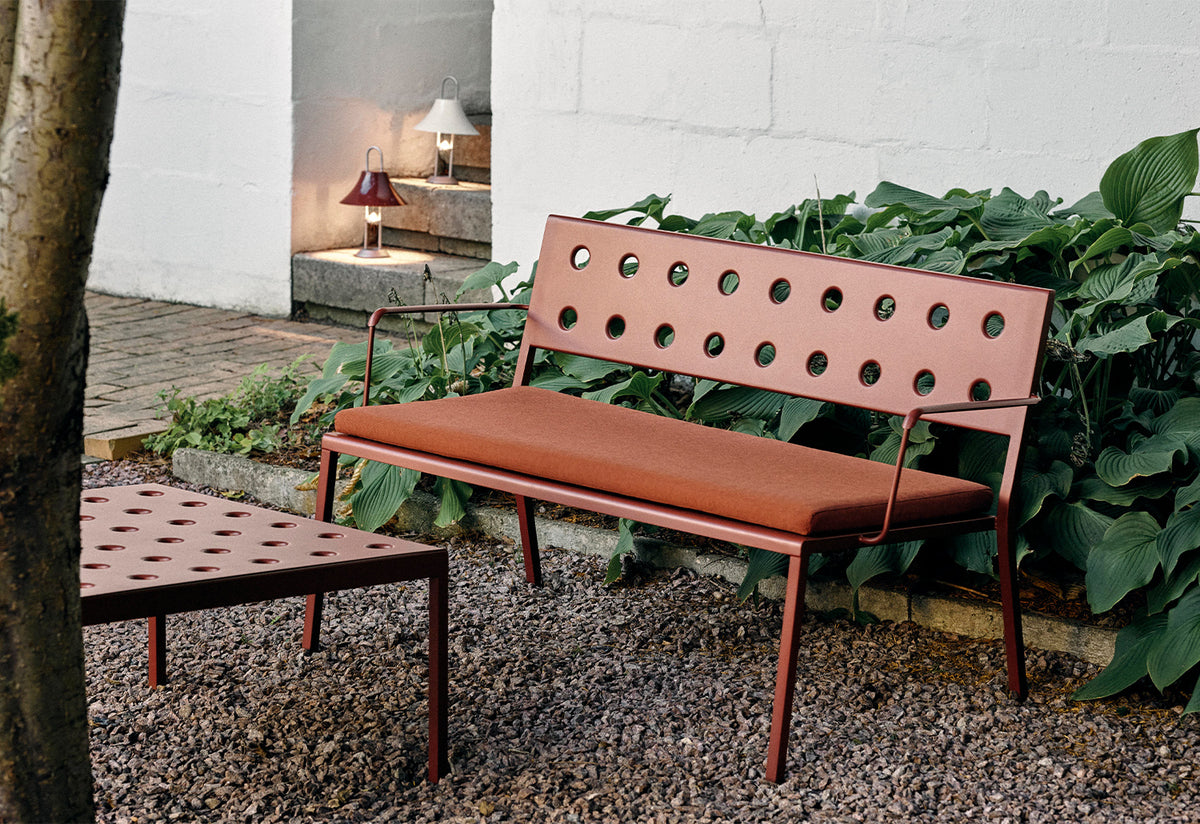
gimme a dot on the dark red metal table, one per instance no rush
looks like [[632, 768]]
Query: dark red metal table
[[152, 550]]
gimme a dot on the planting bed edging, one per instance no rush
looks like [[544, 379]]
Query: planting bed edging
[[280, 486]]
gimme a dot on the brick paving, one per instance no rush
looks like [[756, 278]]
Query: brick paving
[[141, 347]]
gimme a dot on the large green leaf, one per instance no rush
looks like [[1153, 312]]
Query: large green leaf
[[1008, 216], [795, 413], [1124, 560], [887, 194], [1038, 485], [870, 561], [1172, 586], [586, 369], [975, 551], [761, 564], [624, 546], [1128, 664], [1127, 337], [453, 495], [1177, 650], [1189, 494], [489, 276], [649, 206], [1154, 455], [1073, 529], [1093, 488], [1090, 206], [1148, 183], [1180, 535], [382, 490], [742, 401]]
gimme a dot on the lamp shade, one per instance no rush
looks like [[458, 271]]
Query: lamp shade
[[373, 189], [447, 115]]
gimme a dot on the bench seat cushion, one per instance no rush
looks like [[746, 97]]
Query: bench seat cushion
[[636, 454]]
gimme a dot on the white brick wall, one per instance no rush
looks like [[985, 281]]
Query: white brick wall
[[198, 206], [731, 104]]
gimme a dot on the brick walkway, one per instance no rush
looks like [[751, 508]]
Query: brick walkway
[[140, 347]]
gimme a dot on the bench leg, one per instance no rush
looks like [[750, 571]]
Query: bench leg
[[158, 650], [312, 622], [439, 607], [529, 544], [326, 482], [785, 677], [1014, 644]]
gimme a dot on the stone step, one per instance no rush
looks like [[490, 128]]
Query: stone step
[[455, 220], [335, 286]]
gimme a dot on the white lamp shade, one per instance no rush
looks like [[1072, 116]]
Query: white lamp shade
[[446, 116]]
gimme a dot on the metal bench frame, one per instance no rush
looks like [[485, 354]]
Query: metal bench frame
[[916, 344]]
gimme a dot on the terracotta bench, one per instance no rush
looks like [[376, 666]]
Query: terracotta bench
[[150, 551], [921, 345]]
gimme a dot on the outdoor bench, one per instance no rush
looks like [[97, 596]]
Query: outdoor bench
[[151, 550], [922, 345]]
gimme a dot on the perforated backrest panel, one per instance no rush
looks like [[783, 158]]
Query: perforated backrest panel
[[863, 334]]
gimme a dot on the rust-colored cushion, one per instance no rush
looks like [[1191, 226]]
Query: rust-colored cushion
[[599, 446]]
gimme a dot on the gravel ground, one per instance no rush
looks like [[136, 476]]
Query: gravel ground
[[574, 703]]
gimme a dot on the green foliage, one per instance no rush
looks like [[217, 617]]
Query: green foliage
[[246, 420], [1111, 483], [1111, 480], [463, 354]]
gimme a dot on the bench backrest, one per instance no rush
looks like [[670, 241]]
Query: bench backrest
[[863, 334]]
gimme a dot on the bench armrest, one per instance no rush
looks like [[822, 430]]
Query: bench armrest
[[910, 420], [379, 314]]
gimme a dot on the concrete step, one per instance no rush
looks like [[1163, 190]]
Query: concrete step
[[454, 220], [336, 287]]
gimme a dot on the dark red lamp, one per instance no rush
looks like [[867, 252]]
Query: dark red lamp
[[373, 192]]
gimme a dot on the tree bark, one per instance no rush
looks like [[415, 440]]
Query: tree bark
[[61, 61]]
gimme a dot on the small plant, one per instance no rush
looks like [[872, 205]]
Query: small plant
[[464, 353], [243, 421]]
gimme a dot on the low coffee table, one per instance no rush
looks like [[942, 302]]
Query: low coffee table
[[151, 550]]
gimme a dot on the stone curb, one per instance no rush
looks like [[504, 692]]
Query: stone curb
[[277, 486]]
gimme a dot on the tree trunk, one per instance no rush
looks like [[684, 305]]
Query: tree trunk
[[59, 64]]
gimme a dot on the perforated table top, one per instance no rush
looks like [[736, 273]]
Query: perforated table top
[[148, 538]]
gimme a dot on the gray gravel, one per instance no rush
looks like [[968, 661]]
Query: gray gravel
[[647, 702]]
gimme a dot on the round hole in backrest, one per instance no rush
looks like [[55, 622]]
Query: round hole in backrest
[[615, 327], [870, 373], [885, 307], [765, 354], [781, 290], [924, 382], [567, 318], [678, 274], [939, 316], [714, 345], [981, 390], [729, 282], [993, 325], [629, 266], [818, 362], [832, 299], [664, 336], [580, 257]]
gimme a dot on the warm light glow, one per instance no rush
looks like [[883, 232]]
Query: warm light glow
[[445, 144], [374, 215]]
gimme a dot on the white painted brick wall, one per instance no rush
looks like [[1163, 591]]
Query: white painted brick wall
[[198, 206], [731, 104]]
